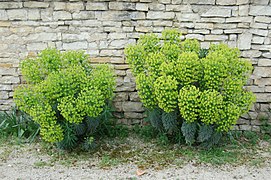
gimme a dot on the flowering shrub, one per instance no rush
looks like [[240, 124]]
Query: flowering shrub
[[204, 87], [64, 94]]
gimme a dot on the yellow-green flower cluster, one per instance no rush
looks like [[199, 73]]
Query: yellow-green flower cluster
[[64, 87], [188, 68], [189, 102], [166, 92]]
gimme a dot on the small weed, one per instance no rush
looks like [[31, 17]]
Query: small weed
[[40, 164], [107, 161]]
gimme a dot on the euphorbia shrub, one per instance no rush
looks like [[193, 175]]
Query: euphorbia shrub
[[198, 91], [65, 95]]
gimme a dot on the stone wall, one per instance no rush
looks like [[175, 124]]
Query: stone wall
[[103, 28]]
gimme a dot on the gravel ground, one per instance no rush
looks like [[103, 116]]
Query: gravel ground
[[32, 162], [21, 163]]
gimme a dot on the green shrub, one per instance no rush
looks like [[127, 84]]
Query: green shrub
[[65, 95], [203, 87]]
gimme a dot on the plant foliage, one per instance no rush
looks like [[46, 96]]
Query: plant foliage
[[205, 86], [64, 94]]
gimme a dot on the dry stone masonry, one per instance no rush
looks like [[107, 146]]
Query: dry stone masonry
[[102, 28]]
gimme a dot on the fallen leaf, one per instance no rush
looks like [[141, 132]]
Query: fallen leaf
[[140, 172]]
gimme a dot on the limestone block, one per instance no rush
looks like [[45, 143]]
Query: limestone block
[[96, 6], [115, 15], [126, 87], [264, 62], [201, 31], [157, 7], [133, 106], [243, 10], [204, 26], [233, 31], [75, 7], [217, 12], [199, 2], [259, 25], [9, 80], [259, 32], [213, 20], [217, 31], [262, 47], [239, 19], [260, 10], [176, 1], [195, 36], [3, 15], [267, 55], [216, 37], [162, 23], [262, 2], [122, 6], [46, 14], [180, 8], [160, 15], [137, 15], [75, 45], [134, 96], [262, 71], [11, 5], [164, 1], [133, 115], [187, 17], [4, 95], [83, 15], [34, 14], [109, 52], [262, 19], [62, 15], [239, 2], [17, 14], [142, 7], [35, 4], [7, 71], [263, 97], [118, 106], [5, 87], [227, 2], [244, 41], [123, 96], [251, 53], [36, 46], [59, 6], [245, 127], [257, 40]]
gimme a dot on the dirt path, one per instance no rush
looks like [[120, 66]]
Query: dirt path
[[27, 163]]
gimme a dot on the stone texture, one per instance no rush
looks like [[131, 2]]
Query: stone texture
[[97, 6], [260, 10], [133, 107], [244, 41], [17, 14], [160, 15], [217, 12]]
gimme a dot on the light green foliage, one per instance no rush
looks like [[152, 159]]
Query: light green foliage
[[145, 89], [165, 90], [190, 45], [188, 68], [204, 85], [171, 36], [63, 89], [211, 103], [189, 101]]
